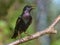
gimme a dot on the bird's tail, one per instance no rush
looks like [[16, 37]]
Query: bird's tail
[[15, 35]]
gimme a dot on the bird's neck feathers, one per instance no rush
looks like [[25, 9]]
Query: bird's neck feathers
[[26, 13], [26, 16]]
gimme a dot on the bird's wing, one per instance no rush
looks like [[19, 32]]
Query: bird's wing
[[18, 23], [18, 20], [16, 28]]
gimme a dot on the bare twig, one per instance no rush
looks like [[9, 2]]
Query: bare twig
[[55, 22], [49, 30]]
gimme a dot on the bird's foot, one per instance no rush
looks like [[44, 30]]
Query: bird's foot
[[18, 34], [27, 34]]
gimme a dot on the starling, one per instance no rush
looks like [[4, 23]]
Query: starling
[[23, 21]]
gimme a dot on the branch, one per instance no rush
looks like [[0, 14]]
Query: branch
[[49, 30]]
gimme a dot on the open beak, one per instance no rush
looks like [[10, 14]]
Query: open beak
[[33, 6]]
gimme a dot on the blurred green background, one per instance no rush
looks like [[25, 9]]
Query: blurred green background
[[43, 15]]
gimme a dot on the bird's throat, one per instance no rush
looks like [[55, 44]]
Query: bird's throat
[[26, 13], [26, 17]]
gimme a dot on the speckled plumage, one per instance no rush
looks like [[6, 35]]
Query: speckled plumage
[[23, 21]]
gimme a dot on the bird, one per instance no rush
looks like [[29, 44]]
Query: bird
[[23, 21]]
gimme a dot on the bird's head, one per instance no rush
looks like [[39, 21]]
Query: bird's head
[[28, 8]]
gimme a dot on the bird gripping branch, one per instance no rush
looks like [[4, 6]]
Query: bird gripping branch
[[23, 21]]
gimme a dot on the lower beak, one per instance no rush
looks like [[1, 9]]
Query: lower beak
[[33, 7]]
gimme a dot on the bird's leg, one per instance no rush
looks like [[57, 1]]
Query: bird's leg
[[18, 34], [27, 34]]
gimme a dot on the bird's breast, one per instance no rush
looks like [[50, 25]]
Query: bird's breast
[[26, 19]]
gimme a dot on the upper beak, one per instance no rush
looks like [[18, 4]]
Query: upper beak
[[33, 7]]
